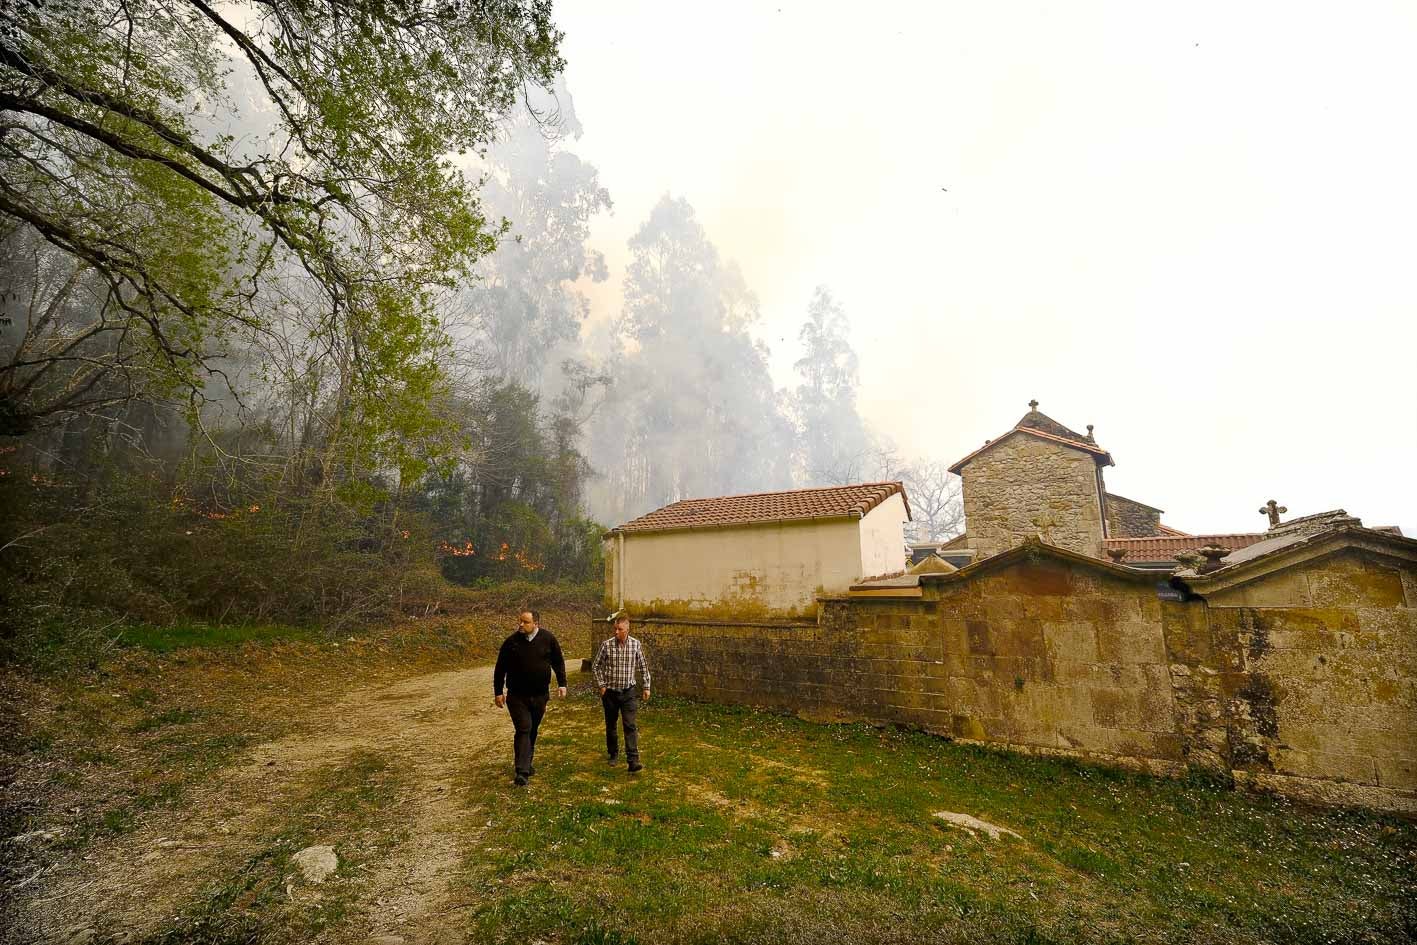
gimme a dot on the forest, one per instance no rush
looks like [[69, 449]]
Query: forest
[[296, 328]]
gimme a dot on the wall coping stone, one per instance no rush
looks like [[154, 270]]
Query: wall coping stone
[[1033, 548], [1299, 551], [720, 622]]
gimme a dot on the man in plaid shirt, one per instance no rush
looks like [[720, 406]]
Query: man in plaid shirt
[[614, 669]]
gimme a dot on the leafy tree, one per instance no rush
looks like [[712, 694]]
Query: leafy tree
[[112, 148], [509, 507]]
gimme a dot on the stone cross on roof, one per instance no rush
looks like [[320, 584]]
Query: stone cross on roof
[[1273, 509], [1033, 405]]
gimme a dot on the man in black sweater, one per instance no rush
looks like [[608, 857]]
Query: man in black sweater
[[524, 664]]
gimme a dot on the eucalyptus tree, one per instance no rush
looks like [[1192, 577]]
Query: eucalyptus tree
[[525, 298], [831, 435], [692, 410]]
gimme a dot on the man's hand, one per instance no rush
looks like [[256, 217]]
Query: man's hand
[[603, 690], [560, 692], [646, 699], [501, 702]]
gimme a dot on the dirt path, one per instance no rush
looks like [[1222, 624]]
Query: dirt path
[[429, 730]]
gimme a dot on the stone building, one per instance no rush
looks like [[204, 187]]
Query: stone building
[[769, 553], [1042, 479], [1045, 479]]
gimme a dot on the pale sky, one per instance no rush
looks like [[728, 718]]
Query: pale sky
[[1193, 225]]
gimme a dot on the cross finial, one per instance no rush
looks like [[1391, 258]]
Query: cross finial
[[1033, 404], [1273, 510]]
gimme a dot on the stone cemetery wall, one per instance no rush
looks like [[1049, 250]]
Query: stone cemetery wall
[[1309, 695]]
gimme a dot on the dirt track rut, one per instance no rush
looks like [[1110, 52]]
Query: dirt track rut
[[431, 728]]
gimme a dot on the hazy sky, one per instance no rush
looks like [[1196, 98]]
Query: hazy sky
[[1193, 225]]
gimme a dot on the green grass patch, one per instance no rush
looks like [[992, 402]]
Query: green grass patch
[[179, 715], [165, 639], [756, 827]]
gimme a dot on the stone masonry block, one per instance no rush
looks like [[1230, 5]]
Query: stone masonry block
[[1359, 769], [1130, 643], [1353, 582], [1070, 641], [980, 641], [1397, 773]]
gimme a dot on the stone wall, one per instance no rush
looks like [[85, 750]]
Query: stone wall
[[1050, 655], [1129, 519], [1025, 486], [1327, 705]]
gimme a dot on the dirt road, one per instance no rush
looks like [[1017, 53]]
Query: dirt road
[[427, 731]]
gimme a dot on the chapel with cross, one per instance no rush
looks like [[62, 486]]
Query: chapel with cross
[[1042, 479]]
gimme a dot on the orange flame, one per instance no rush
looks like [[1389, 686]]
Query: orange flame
[[505, 552], [528, 562]]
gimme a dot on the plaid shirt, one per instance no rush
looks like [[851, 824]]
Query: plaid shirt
[[614, 665]]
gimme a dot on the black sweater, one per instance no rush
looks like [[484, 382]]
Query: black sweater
[[525, 666]]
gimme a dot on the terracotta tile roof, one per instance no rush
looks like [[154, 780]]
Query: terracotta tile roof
[[1166, 531], [1165, 548], [1098, 453], [765, 507]]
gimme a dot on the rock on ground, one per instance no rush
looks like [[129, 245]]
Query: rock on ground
[[974, 824], [316, 863]]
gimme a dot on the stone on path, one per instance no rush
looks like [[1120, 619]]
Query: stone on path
[[316, 863], [974, 824]]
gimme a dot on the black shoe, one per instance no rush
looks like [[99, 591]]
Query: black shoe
[[519, 780], [613, 759], [636, 766]]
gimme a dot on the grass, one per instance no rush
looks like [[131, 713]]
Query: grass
[[755, 827]]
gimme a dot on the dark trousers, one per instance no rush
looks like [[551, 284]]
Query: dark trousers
[[526, 712], [624, 703]]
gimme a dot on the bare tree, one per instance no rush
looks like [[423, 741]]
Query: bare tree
[[936, 501], [65, 346]]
